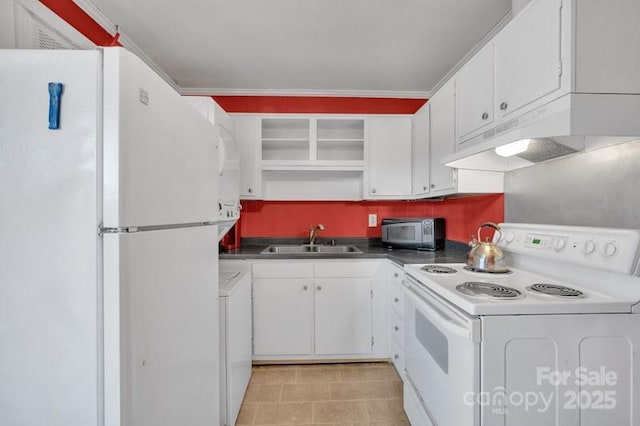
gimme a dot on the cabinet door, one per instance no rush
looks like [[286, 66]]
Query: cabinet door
[[474, 94], [248, 136], [442, 141], [343, 316], [282, 317], [389, 167], [527, 56], [420, 152]]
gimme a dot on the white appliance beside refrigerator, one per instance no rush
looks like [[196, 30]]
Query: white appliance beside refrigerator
[[228, 161], [108, 248], [236, 327]]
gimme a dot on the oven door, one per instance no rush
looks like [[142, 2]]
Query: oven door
[[442, 359]]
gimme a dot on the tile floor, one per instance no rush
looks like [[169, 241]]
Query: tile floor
[[336, 394]]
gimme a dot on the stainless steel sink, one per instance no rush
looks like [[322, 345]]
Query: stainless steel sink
[[310, 249], [338, 249]]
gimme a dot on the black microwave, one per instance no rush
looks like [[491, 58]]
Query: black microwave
[[425, 233]]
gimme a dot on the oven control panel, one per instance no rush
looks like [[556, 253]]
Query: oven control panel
[[612, 249], [545, 242]]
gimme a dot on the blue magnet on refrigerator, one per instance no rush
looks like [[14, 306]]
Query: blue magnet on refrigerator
[[55, 92]]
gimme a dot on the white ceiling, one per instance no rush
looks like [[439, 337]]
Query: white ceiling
[[244, 46]]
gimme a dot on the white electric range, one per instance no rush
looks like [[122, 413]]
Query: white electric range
[[551, 342]]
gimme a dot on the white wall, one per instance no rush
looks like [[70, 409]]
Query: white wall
[[7, 27], [598, 188]]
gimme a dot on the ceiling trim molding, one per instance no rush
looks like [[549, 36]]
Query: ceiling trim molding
[[208, 91]]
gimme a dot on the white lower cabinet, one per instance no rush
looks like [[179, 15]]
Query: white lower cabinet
[[282, 316], [318, 310], [343, 316]]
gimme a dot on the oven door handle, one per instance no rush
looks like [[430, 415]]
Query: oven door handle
[[451, 323]]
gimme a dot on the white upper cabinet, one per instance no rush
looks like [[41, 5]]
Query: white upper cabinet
[[445, 180], [474, 94], [528, 57], [248, 137], [420, 153], [442, 105], [388, 171]]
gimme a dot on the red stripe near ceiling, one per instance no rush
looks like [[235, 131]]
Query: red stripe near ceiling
[[81, 21], [350, 219], [318, 104]]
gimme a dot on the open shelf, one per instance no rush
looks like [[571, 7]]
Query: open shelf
[[340, 139], [299, 143], [285, 139], [340, 149]]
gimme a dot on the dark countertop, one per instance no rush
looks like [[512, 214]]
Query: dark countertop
[[454, 252]]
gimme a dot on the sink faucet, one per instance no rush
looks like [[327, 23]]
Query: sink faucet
[[313, 232]]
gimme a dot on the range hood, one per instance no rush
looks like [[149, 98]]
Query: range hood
[[565, 126]]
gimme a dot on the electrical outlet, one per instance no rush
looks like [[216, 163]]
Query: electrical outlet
[[373, 220]]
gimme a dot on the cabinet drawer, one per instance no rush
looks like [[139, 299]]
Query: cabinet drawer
[[397, 275], [397, 330], [396, 296], [397, 357], [346, 269], [282, 270]]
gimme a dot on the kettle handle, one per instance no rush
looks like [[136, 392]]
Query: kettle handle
[[489, 225]]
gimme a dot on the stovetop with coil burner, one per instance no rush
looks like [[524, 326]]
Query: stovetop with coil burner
[[514, 293], [552, 270]]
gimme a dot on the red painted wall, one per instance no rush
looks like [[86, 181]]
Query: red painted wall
[[78, 19], [318, 104], [349, 219]]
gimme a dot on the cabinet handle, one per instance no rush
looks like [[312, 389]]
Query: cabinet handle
[[433, 185], [319, 288], [396, 300], [250, 190], [395, 274], [424, 187], [485, 115], [373, 190], [504, 106], [305, 287], [396, 328], [396, 356]]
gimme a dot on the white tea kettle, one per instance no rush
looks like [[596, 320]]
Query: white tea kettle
[[485, 256]]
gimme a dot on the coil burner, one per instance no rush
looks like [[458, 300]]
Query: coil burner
[[482, 271], [438, 269], [555, 290], [489, 290]]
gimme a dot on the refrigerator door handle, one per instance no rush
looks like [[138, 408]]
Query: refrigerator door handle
[[133, 229]]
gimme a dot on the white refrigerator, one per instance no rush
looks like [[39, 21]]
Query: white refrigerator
[[108, 245]]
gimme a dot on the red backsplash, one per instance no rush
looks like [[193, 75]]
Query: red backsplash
[[349, 218]]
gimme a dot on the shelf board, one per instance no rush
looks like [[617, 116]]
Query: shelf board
[[308, 165], [285, 139], [341, 140]]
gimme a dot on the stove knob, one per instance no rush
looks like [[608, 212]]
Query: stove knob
[[559, 244], [509, 237], [589, 247], [609, 250]]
